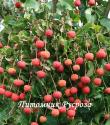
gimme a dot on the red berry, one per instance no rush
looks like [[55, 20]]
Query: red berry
[[60, 69], [91, 2], [101, 54], [86, 90], [18, 82], [100, 71], [62, 109], [1, 45], [71, 34], [77, 101], [18, 4], [68, 62], [77, 3], [2, 91], [107, 116], [107, 66], [57, 94], [27, 110], [73, 90], [21, 64], [48, 33], [79, 61], [55, 112], [62, 83], [42, 119], [74, 77], [97, 81], [3, 86], [15, 97], [76, 67], [48, 98], [71, 99], [36, 62], [27, 88], [11, 71], [107, 90], [34, 123], [8, 94], [22, 96], [80, 85], [89, 56], [56, 64], [85, 79], [41, 74], [1, 70], [45, 54], [40, 44], [71, 113], [68, 92]]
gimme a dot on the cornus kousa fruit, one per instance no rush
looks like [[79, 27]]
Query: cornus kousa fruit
[[15, 97], [76, 67], [68, 62], [11, 71], [41, 74], [45, 54], [74, 77], [107, 116], [40, 44], [36, 62], [107, 66], [101, 54], [48, 98], [8, 94], [71, 113], [42, 119], [18, 82], [18, 5], [1, 70], [27, 88], [34, 123], [1, 45], [21, 64], [86, 90], [89, 56], [100, 72], [60, 69], [55, 112], [62, 109], [71, 99], [2, 91], [77, 3], [3, 86], [79, 61], [71, 34], [107, 90], [49, 33], [77, 101], [27, 110], [80, 85], [85, 79], [56, 64], [62, 83], [97, 81], [22, 96], [91, 2], [73, 90], [57, 94], [68, 92]]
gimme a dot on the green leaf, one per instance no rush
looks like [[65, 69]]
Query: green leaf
[[108, 122], [106, 23], [91, 69]]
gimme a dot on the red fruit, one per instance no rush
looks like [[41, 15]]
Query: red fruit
[[8, 94], [68, 92], [71, 99], [40, 44], [60, 69], [1, 45], [85, 79], [56, 64], [38, 54], [76, 67], [62, 109], [21, 64], [89, 56], [15, 97], [18, 5], [68, 62], [100, 71], [73, 90], [74, 77], [107, 116], [57, 94], [101, 54], [79, 61], [86, 90], [77, 3], [107, 66], [2, 91], [86, 101], [71, 113], [36, 62], [80, 85], [27, 110], [18, 82], [48, 98], [48, 33], [71, 34], [11, 71], [22, 96], [1, 70], [41, 74], [3, 86], [55, 112], [97, 81], [27, 88], [62, 83], [42, 119], [77, 101], [34, 123], [107, 90], [45, 54], [91, 2]]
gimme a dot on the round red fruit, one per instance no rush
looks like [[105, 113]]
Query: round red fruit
[[71, 34], [56, 64], [77, 3], [45, 54], [34, 123], [18, 5], [62, 83], [49, 33], [22, 96], [21, 64], [68, 62], [60, 69], [27, 110], [89, 56], [100, 71], [79, 61], [48, 98], [8, 94], [36, 62], [68, 92], [107, 116], [101, 54], [97, 81], [107, 66], [42, 119], [27, 88], [55, 112], [2, 91], [71, 113], [1, 45], [71, 99], [107, 90], [62, 109], [85, 79], [73, 90], [41, 74], [74, 77], [40, 44], [86, 90], [57, 94], [15, 97], [11, 71], [1, 70], [76, 67], [91, 2], [18, 82]]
